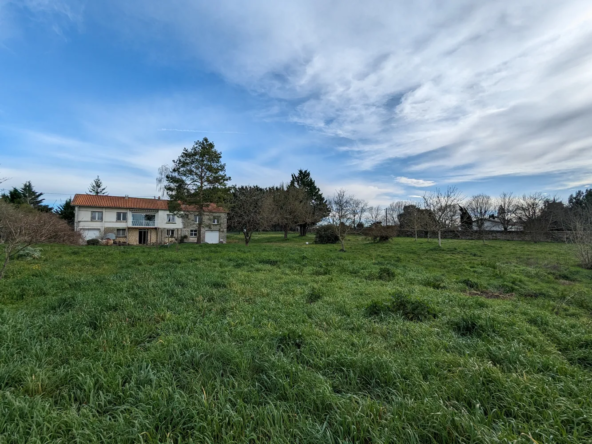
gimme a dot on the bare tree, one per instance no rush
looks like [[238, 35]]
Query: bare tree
[[480, 207], [506, 209], [375, 214], [341, 214], [359, 209], [394, 210], [443, 205], [247, 212], [23, 227], [581, 235]]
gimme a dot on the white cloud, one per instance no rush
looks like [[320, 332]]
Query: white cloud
[[496, 88], [415, 182]]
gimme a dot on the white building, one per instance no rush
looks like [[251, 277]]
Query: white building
[[145, 221]]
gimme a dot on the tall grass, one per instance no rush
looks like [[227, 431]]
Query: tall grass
[[275, 343]]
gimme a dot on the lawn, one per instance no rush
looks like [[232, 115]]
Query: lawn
[[283, 342]]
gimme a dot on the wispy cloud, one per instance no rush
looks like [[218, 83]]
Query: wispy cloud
[[415, 182]]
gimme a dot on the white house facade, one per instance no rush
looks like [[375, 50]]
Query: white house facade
[[138, 221]]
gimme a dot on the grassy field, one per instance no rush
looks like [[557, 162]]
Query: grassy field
[[284, 342]]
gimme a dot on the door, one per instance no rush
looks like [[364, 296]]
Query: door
[[212, 237], [91, 234], [142, 237]]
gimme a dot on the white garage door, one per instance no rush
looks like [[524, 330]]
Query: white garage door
[[90, 234], [212, 237]]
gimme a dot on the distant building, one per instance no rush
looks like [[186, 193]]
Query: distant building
[[493, 224], [138, 221]]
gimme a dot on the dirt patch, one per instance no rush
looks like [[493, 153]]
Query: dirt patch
[[490, 294]]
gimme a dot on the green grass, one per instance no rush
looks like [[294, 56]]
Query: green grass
[[284, 342]]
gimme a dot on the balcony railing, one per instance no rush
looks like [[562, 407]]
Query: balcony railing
[[143, 223]]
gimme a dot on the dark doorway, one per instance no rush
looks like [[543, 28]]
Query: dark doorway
[[143, 237]]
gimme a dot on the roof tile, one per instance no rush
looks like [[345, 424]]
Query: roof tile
[[132, 203]]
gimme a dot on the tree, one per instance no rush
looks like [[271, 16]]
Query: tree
[[96, 187], [247, 210], [443, 206], [286, 206], [20, 227], [66, 211], [466, 220], [359, 208], [581, 232], [480, 207], [341, 215], [581, 200], [394, 210], [196, 180], [375, 215], [415, 219], [26, 195], [317, 205], [506, 210]]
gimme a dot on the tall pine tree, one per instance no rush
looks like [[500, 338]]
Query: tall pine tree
[[318, 206], [97, 188], [66, 211], [197, 178]]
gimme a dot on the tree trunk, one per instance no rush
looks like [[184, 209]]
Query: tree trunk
[[342, 245], [286, 232], [416, 235], [303, 229], [6, 260], [199, 225], [439, 238]]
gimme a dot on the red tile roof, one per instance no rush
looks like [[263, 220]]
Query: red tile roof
[[132, 203]]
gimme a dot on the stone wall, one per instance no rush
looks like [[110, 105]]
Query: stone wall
[[528, 236]]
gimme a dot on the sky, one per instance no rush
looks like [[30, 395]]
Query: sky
[[386, 99]]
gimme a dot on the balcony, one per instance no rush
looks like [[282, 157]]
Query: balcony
[[143, 220]]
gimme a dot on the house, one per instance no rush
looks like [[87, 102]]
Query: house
[[492, 224], [138, 221]]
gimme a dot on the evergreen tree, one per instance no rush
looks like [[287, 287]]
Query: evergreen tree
[[466, 220], [197, 179], [97, 188], [318, 206], [66, 211], [29, 196]]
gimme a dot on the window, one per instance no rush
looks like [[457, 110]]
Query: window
[[170, 218], [215, 221], [196, 218], [192, 233], [121, 216], [96, 216], [170, 233], [121, 232]]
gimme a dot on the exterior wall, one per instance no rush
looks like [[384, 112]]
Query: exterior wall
[[157, 234], [207, 225]]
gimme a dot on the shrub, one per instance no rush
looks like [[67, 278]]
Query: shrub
[[29, 253], [326, 234], [183, 239], [93, 242], [378, 233]]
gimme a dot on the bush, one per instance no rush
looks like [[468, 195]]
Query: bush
[[93, 242], [183, 239], [29, 253], [378, 233], [326, 234]]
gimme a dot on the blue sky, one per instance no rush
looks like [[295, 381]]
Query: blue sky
[[385, 99]]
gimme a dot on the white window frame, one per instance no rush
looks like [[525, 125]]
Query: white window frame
[[216, 220], [121, 216], [118, 232], [196, 218], [171, 219], [170, 233], [93, 215], [191, 233]]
